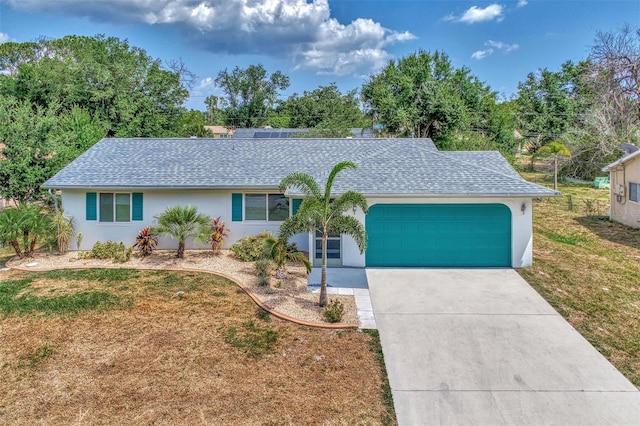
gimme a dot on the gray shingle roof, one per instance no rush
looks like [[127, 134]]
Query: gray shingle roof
[[408, 167]]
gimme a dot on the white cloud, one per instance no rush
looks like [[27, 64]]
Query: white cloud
[[481, 54], [522, 3], [475, 14], [302, 30], [4, 38], [492, 47]]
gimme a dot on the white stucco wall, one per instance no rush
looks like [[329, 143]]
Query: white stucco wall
[[521, 226], [218, 203], [624, 210], [211, 202]]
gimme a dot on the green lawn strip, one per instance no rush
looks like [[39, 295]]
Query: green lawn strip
[[386, 395], [15, 298]]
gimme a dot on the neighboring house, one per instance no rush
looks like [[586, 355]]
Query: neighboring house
[[624, 179], [220, 132], [426, 207]]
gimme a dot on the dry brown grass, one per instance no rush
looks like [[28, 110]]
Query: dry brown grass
[[588, 268], [164, 360]]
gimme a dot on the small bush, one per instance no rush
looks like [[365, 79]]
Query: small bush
[[146, 241], [263, 267], [251, 248], [334, 311], [118, 252], [264, 281]]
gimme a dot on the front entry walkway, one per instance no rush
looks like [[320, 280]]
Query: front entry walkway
[[349, 281], [481, 347]]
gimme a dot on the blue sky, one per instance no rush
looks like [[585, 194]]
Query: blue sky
[[316, 42]]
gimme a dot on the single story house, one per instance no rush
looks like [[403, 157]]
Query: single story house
[[624, 179], [427, 208]]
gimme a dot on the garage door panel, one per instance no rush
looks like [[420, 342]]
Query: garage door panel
[[439, 235]]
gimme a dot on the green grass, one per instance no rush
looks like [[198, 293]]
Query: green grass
[[587, 268], [252, 339], [112, 276], [389, 417], [15, 298]]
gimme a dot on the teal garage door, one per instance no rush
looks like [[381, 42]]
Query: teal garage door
[[438, 235]]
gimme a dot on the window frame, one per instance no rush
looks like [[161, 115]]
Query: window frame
[[267, 210], [637, 198], [114, 207]]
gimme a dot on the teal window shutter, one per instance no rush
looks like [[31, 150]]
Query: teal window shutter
[[136, 206], [295, 205], [91, 206], [236, 207]]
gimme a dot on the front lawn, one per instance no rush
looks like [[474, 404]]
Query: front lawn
[[588, 268], [130, 347]]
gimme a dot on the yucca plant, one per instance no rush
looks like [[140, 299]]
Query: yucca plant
[[219, 232], [280, 252], [146, 241], [62, 229], [180, 222]]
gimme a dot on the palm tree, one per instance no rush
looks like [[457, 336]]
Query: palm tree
[[181, 222], [554, 148], [324, 213], [23, 227]]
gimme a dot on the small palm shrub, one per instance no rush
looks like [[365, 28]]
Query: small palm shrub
[[23, 227], [333, 311], [219, 232], [280, 252], [118, 252], [146, 241], [251, 248], [182, 222]]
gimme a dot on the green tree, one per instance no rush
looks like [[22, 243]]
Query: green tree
[[324, 212], [250, 94], [549, 103], [121, 84], [325, 109], [554, 149], [422, 94], [39, 141], [191, 123], [180, 223]]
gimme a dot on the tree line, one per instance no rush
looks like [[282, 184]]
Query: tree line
[[59, 97]]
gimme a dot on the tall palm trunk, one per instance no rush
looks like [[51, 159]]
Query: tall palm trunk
[[180, 254], [555, 172], [323, 277]]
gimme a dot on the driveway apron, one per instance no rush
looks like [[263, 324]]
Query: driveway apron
[[481, 347]]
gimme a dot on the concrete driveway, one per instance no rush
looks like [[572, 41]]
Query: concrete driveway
[[481, 347]]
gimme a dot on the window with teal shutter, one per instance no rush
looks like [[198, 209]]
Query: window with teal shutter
[[236, 207], [295, 205], [136, 206], [91, 206]]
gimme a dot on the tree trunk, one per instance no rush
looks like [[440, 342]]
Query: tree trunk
[[180, 250], [16, 247], [555, 172], [323, 277]]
